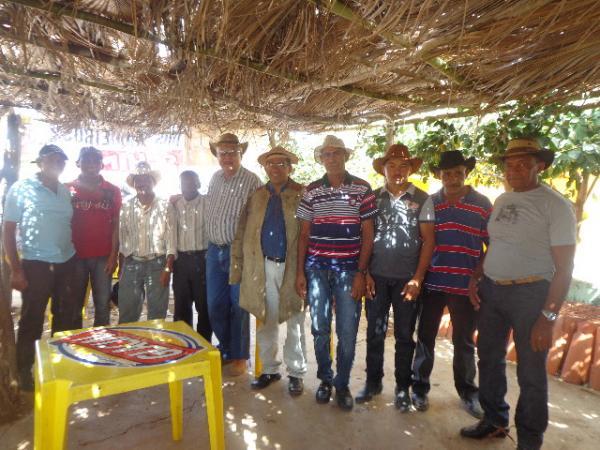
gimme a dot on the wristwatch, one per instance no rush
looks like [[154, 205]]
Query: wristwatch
[[166, 269], [549, 315]]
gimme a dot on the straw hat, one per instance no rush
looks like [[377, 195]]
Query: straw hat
[[397, 151], [142, 168], [228, 138], [331, 141], [277, 151], [453, 158], [520, 147]]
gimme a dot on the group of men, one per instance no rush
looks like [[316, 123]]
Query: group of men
[[273, 250]]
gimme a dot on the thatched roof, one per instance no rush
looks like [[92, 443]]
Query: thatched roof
[[161, 65]]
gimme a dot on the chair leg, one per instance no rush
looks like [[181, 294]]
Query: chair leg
[[176, 395], [214, 403]]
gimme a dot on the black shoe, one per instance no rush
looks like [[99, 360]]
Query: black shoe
[[472, 406], [264, 380], [367, 393], [483, 429], [344, 399], [295, 386], [402, 400], [324, 392], [420, 401]]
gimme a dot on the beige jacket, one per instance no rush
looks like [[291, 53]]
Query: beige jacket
[[247, 260]]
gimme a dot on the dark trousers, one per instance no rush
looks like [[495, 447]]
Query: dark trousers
[[464, 323], [189, 288], [388, 292], [44, 281], [503, 308]]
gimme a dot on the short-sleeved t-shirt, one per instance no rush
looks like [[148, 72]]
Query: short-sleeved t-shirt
[[43, 218], [94, 215], [460, 233], [397, 242], [335, 215], [523, 228]]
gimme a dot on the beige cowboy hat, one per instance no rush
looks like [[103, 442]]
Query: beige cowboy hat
[[520, 147], [227, 138], [331, 141], [397, 151], [142, 168], [277, 151]]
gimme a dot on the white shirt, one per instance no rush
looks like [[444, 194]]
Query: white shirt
[[189, 217]]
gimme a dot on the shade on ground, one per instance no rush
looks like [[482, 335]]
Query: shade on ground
[[271, 419]]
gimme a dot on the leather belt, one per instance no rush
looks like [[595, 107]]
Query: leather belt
[[220, 246], [145, 258], [277, 260], [526, 280]]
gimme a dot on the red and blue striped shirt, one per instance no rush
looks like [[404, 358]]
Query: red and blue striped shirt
[[335, 215], [460, 233]]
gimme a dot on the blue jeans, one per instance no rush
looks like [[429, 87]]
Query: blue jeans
[[230, 323], [91, 270], [323, 286], [503, 308], [141, 279]]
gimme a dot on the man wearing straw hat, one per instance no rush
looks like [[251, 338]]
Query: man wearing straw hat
[[40, 209], [404, 241], [461, 214], [263, 259], [147, 246], [521, 285], [336, 238], [228, 192]]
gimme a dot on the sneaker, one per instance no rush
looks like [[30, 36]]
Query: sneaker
[[402, 400], [344, 399], [367, 393], [472, 406], [264, 380], [324, 392], [420, 401], [295, 386]]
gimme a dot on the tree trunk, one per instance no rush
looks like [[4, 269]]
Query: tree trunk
[[580, 198], [389, 134], [9, 393]]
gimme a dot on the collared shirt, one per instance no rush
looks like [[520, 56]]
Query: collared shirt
[[523, 229], [397, 243], [147, 232], [43, 218], [272, 238], [226, 198], [460, 233], [94, 215], [335, 215], [189, 217]]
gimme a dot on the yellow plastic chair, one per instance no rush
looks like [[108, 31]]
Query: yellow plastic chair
[[83, 364]]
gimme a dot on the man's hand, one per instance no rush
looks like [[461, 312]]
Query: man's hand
[[474, 294], [541, 334], [18, 280], [358, 286], [411, 290], [111, 264], [301, 285], [165, 277], [370, 287]]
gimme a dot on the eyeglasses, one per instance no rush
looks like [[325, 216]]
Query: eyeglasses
[[333, 154], [228, 152], [271, 164]]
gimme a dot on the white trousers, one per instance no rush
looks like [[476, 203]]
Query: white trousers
[[267, 334]]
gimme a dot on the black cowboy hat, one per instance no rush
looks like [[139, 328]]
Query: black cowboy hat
[[453, 158]]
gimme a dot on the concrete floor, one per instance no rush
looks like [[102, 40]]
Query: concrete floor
[[271, 419]]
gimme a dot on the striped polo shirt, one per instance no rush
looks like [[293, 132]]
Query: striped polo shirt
[[225, 200], [460, 233], [335, 215]]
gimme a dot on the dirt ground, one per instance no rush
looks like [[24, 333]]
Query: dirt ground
[[271, 419]]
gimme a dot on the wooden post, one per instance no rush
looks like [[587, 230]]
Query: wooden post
[[9, 393]]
